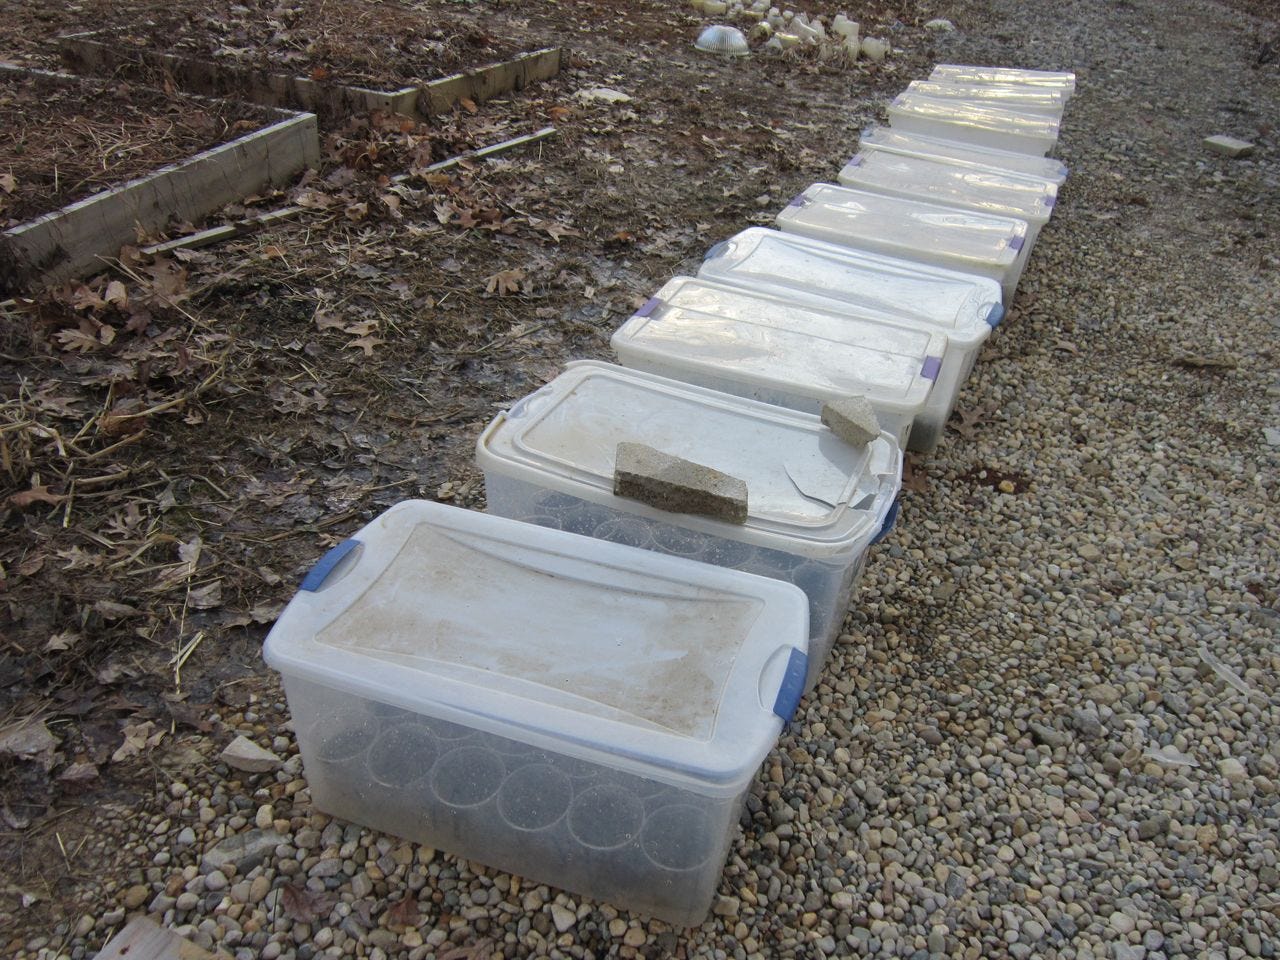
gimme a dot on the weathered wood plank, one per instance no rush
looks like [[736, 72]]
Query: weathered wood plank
[[484, 83], [143, 940], [88, 52], [84, 53], [240, 228], [73, 240]]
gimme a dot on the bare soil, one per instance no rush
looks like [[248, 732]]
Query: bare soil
[[343, 41], [68, 140]]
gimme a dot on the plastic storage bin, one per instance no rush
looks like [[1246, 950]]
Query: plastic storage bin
[[985, 190], [963, 306], [964, 73], [978, 243], [1012, 96], [973, 123], [768, 348], [579, 712], [815, 503], [965, 154]]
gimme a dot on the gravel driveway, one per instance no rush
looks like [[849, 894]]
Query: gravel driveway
[[1052, 728]]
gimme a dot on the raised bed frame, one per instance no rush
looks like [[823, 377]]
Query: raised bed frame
[[74, 240], [94, 53]]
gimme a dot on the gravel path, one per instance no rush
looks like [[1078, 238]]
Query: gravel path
[[1052, 729]]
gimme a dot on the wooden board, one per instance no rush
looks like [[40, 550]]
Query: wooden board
[[73, 241], [143, 940], [85, 53], [482, 84], [93, 53]]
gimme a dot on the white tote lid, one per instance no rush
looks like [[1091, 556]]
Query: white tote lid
[[965, 154], [986, 190], [808, 492], [656, 665], [908, 228], [771, 342], [963, 305]]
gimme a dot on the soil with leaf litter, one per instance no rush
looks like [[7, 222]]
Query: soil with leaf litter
[[380, 45], [67, 140]]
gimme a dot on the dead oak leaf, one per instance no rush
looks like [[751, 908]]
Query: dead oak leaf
[[403, 913], [189, 552], [554, 229], [366, 344], [61, 641], [325, 320], [38, 493], [110, 610], [914, 477], [505, 282], [8, 183], [116, 294], [305, 906], [137, 738], [77, 339], [86, 298], [78, 558], [30, 566], [207, 597]]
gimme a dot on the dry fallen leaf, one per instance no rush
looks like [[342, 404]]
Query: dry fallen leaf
[[554, 229], [305, 906], [273, 252], [61, 641], [8, 183], [403, 913], [325, 320], [110, 610], [78, 339], [30, 566], [207, 597], [366, 344], [116, 294], [38, 493], [86, 298], [137, 737], [28, 740], [505, 282], [913, 476], [189, 552], [467, 104]]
